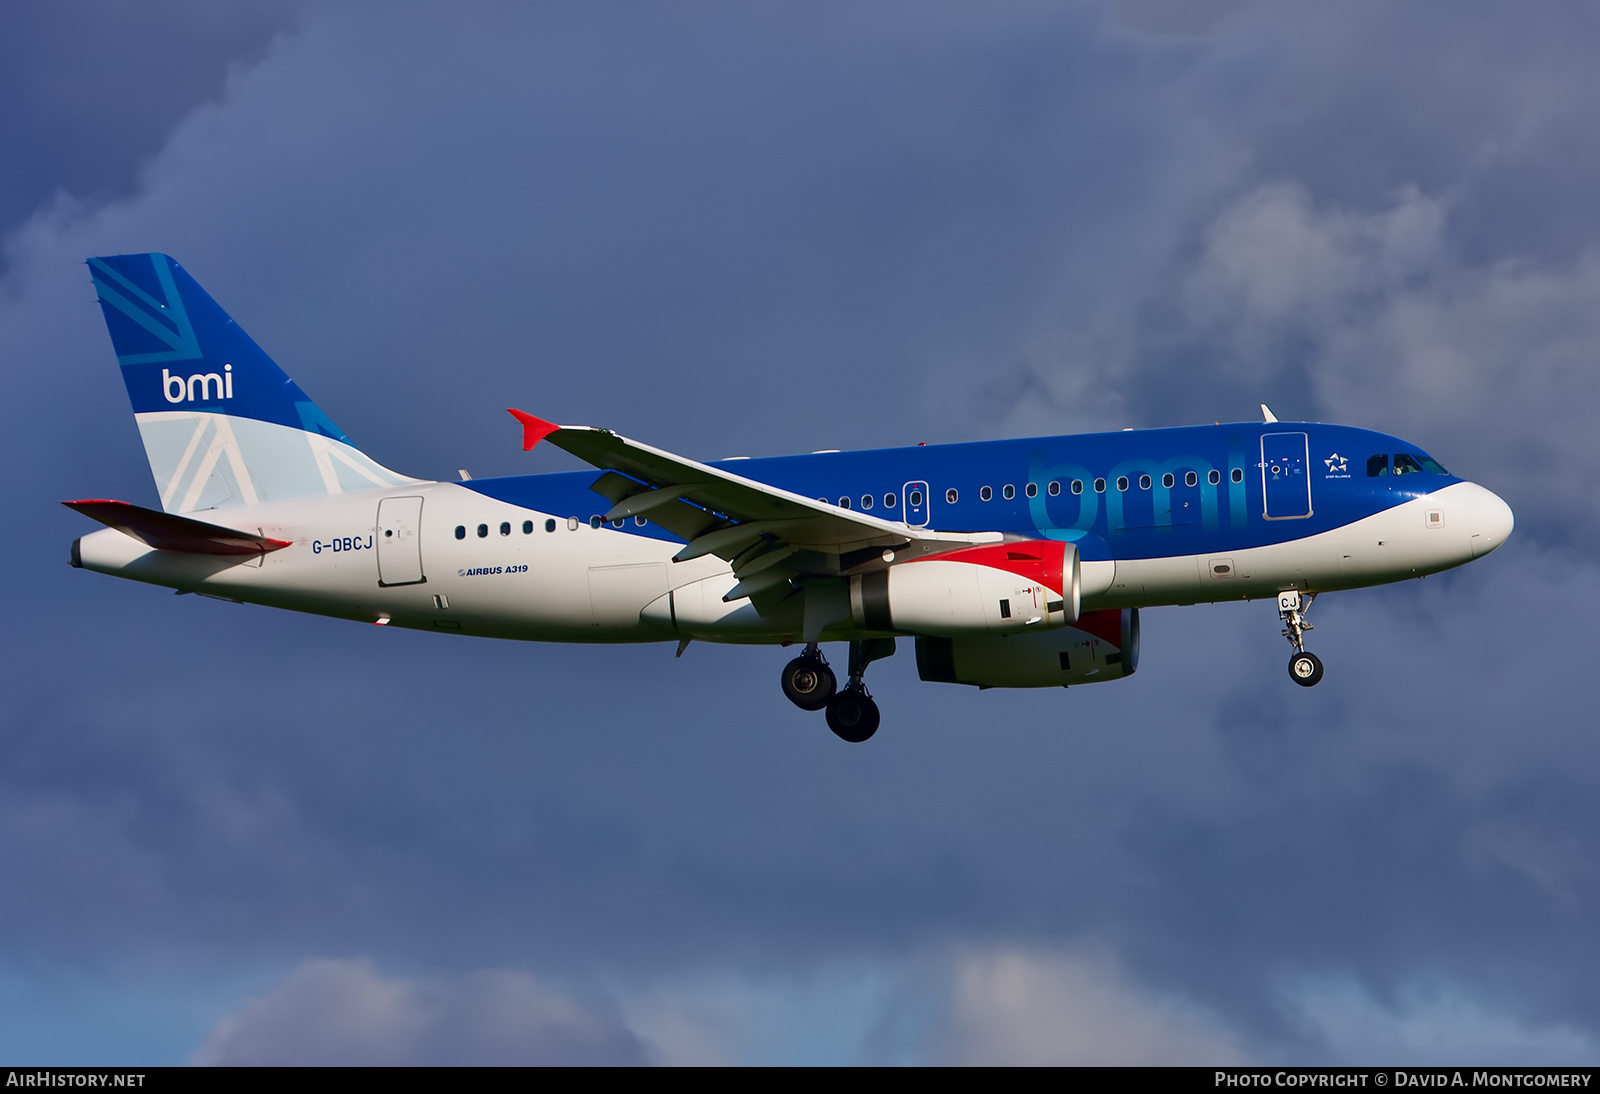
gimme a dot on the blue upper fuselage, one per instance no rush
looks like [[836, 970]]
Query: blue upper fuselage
[[1146, 493]]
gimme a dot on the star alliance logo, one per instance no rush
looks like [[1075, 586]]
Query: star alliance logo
[[1337, 464]]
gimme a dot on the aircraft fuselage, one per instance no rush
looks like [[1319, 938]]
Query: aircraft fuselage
[[1159, 516]]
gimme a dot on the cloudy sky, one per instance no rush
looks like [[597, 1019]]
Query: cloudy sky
[[233, 835]]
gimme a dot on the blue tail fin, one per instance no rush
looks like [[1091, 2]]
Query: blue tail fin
[[222, 424]]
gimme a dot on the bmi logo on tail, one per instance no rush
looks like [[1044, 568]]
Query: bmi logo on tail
[[185, 393]]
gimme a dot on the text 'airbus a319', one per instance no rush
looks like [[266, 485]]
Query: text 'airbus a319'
[[1015, 563]]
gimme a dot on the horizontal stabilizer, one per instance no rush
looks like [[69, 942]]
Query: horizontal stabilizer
[[168, 532]]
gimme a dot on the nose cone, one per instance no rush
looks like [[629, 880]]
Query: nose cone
[[1489, 519]]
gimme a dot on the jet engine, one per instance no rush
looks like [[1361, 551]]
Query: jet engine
[[1102, 645], [1027, 585]]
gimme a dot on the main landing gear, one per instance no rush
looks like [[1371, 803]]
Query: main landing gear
[[807, 681], [809, 684], [1305, 668]]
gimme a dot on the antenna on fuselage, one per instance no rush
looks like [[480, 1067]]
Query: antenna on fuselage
[[1267, 415]]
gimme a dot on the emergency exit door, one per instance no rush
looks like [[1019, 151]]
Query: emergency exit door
[[915, 498]]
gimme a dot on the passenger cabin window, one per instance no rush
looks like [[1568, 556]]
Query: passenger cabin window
[[1191, 479], [1033, 490], [1378, 465], [1406, 465], [1214, 477], [550, 525], [1099, 486], [844, 503], [985, 494], [1055, 488], [483, 531], [505, 528], [866, 501], [461, 531], [527, 527], [950, 495], [594, 521], [1077, 486], [888, 501], [1009, 491], [1167, 480], [1238, 474], [1144, 482], [1122, 482]]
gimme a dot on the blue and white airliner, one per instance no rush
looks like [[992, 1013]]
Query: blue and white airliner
[[1014, 563]]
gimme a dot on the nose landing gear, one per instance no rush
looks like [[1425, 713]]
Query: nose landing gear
[[1305, 668], [809, 683]]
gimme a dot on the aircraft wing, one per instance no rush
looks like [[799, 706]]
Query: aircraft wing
[[768, 534]]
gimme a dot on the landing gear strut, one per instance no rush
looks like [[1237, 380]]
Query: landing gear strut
[[1305, 668], [810, 685], [852, 715]]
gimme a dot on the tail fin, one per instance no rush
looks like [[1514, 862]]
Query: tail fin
[[222, 425]]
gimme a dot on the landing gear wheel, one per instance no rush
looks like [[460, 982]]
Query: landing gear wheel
[[853, 716], [1305, 669], [808, 683]]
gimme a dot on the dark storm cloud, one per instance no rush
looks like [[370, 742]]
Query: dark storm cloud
[[728, 230], [91, 89]]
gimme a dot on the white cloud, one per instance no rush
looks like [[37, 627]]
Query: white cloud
[[1490, 364], [1272, 257], [345, 1012], [1037, 1007], [1377, 319], [839, 1013], [980, 1006]]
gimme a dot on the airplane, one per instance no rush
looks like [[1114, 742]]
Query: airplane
[[1010, 563]]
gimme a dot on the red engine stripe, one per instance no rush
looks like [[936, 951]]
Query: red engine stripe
[[1040, 560]]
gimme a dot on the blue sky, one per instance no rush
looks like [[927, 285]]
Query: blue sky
[[233, 835]]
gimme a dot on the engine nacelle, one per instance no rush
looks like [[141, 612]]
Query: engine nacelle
[[1101, 645], [1024, 586]]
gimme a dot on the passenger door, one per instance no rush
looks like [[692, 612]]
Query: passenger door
[[400, 541], [1285, 476]]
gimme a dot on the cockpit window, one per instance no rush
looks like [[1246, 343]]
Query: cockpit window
[[1406, 465], [1378, 465], [1432, 466]]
